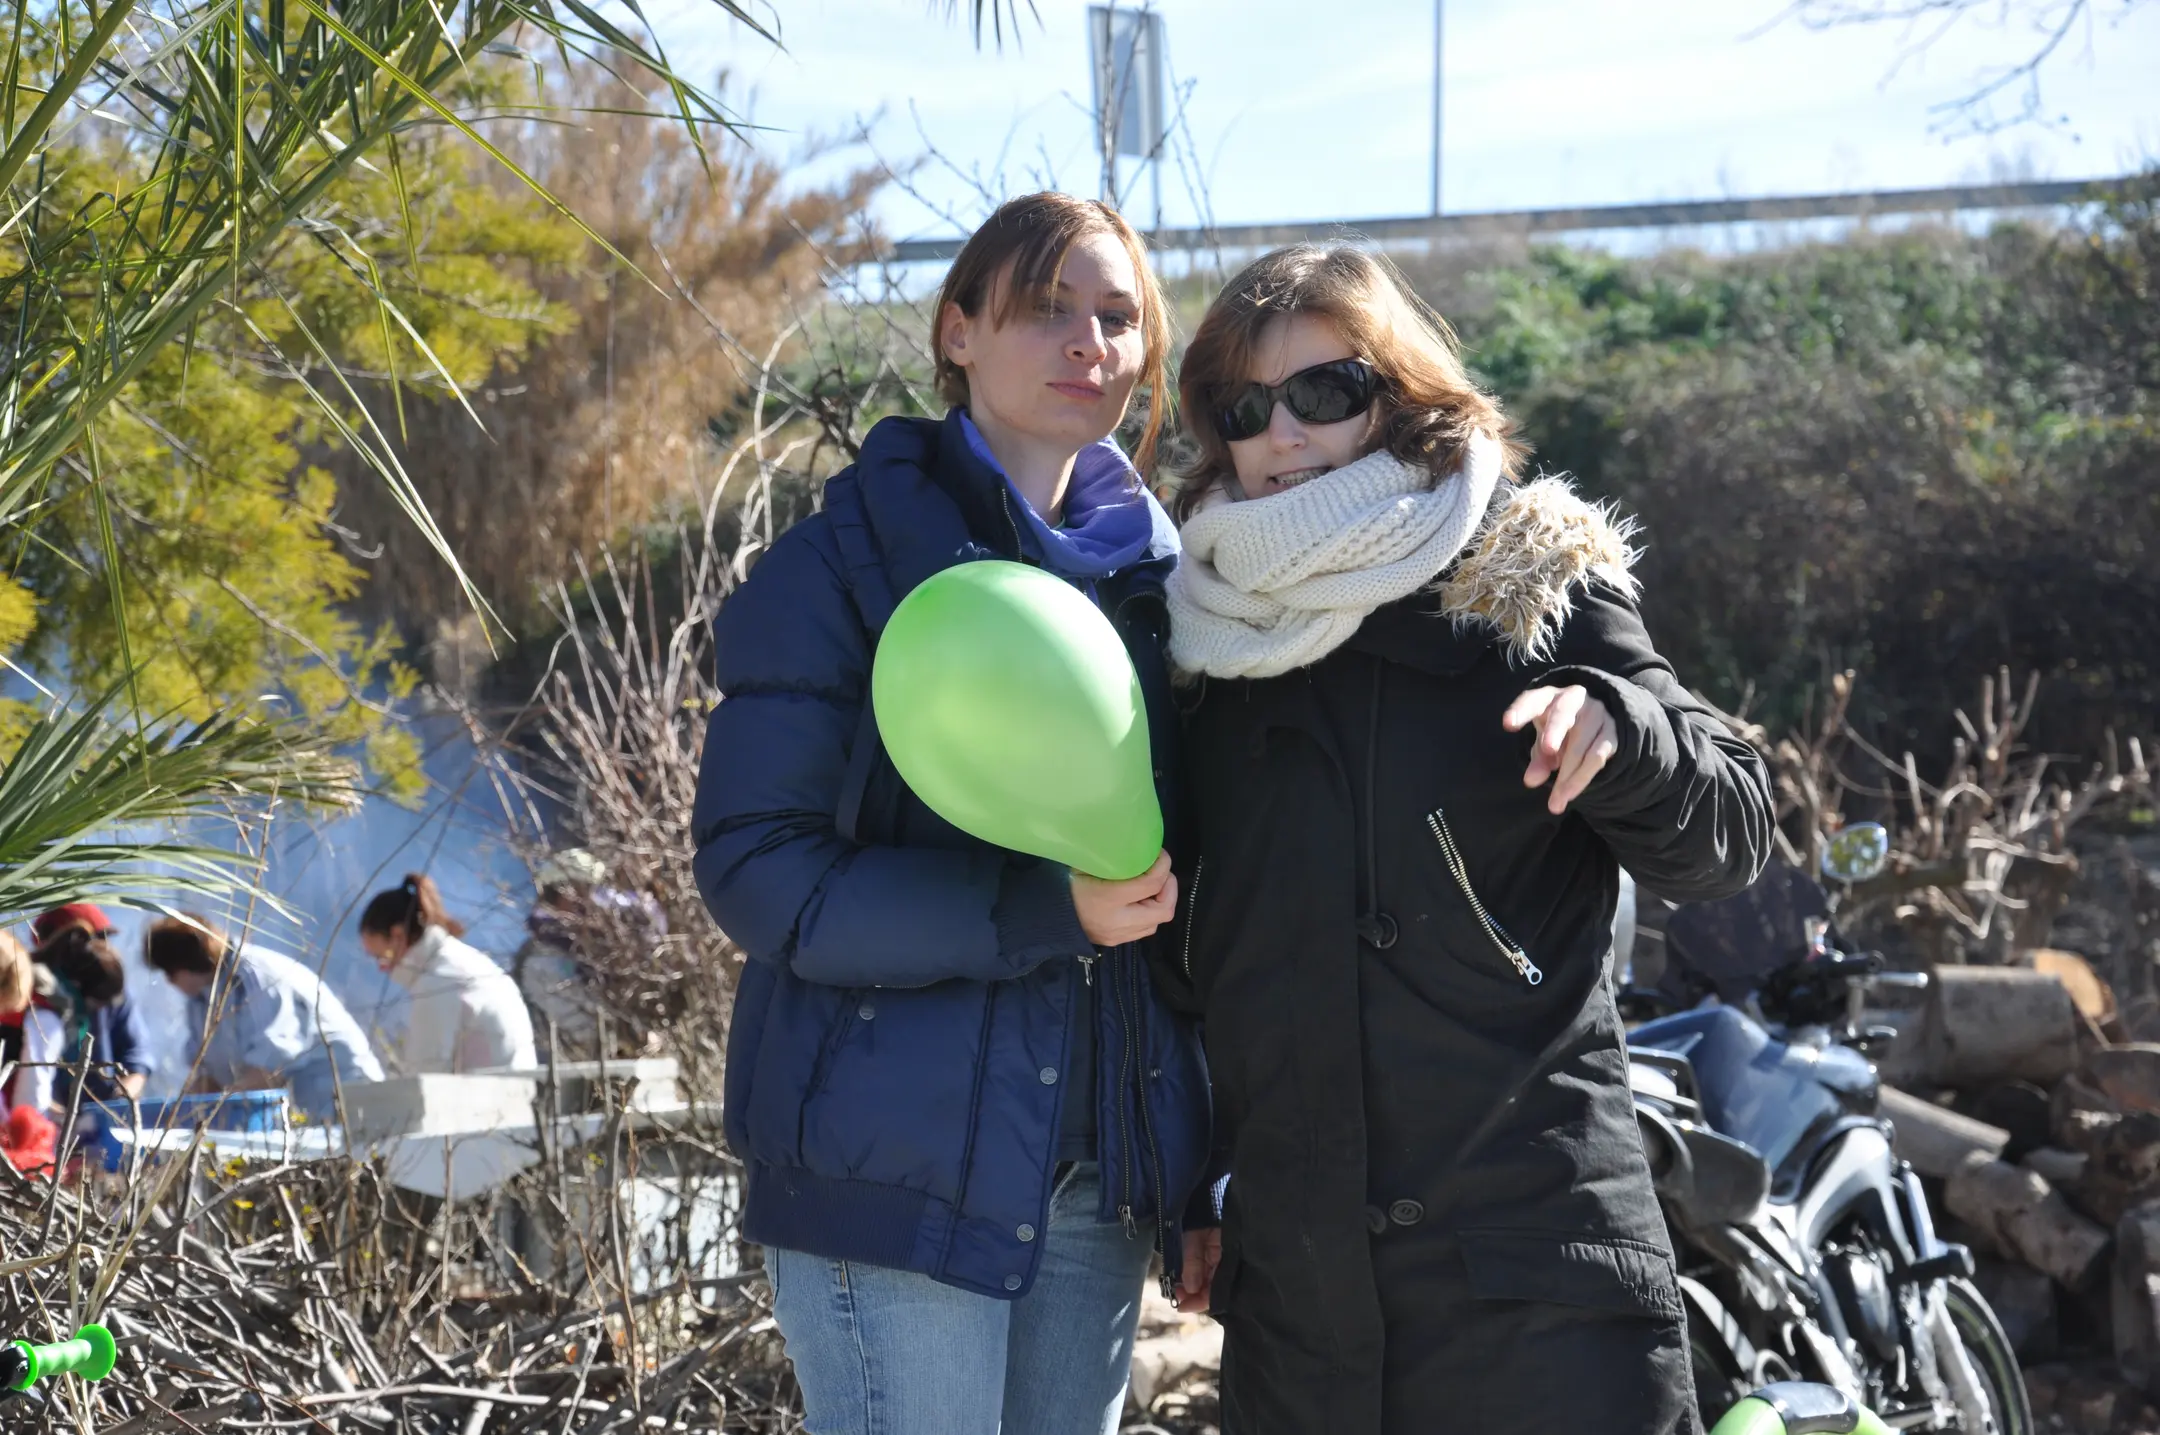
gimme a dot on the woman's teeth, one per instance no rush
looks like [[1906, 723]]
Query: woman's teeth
[[1292, 480]]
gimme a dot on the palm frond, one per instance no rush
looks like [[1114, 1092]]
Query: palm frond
[[86, 802], [233, 121], [1000, 14], [243, 121]]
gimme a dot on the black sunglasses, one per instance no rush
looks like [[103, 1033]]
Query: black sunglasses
[[1323, 394]]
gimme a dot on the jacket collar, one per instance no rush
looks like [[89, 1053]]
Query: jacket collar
[[1414, 632], [932, 500], [1514, 585], [420, 958]]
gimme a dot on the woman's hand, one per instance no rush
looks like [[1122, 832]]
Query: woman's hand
[[1576, 737], [1114, 913], [1203, 1253]]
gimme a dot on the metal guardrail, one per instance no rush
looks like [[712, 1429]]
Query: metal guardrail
[[1498, 224]]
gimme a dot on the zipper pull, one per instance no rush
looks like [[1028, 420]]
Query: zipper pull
[[1169, 1288], [1132, 1227], [1087, 967], [1524, 967]]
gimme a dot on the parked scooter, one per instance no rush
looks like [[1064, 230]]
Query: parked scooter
[[1806, 1249]]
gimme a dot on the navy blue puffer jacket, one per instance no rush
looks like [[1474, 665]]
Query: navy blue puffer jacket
[[895, 1065]]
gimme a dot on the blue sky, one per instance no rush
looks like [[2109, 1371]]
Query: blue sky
[[1321, 111]]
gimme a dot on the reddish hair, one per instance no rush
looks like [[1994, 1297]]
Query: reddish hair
[[411, 907], [186, 943], [1432, 407]]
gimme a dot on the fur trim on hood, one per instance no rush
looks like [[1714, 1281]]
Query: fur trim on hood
[[1518, 575]]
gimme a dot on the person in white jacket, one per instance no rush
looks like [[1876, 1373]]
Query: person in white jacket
[[467, 1014]]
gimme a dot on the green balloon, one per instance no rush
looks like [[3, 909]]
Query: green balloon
[[1010, 707]]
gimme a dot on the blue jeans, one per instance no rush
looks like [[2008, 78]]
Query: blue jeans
[[886, 1352]]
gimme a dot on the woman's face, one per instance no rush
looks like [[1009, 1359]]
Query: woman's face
[[1291, 450], [1061, 371], [387, 948], [191, 984]]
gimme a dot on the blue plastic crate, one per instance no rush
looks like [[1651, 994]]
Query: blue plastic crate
[[262, 1112]]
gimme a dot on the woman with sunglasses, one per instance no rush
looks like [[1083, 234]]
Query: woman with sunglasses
[[967, 1122], [1426, 727]]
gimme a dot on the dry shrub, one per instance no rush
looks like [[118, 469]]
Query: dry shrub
[[615, 730], [619, 723], [608, 425], [598, 1290], [1983, 847]]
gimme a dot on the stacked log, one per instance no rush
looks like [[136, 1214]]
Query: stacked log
[[2036, 1127]]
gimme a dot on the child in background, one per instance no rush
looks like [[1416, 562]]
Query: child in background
[[466, 1011], [74, 977], [576, 910], [275, 1023], [121, 1061]]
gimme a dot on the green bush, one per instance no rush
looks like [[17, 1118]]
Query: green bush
[[1921, 455]]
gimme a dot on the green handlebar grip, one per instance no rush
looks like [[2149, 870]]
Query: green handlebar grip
[[1758, 1417], [90, 1355], [1751, 1417]]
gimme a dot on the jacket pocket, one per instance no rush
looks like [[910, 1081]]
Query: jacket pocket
[[785, 1065], [1558, 1268], [1495, 936], [838, 1026], [1222, 1291], [897, 1093]]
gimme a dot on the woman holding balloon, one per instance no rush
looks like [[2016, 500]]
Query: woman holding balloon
[[1427, 729], [967, 1119]]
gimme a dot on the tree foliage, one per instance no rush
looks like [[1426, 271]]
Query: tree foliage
[[195, 194], [626, 409], [1921, 455], [233, 578]]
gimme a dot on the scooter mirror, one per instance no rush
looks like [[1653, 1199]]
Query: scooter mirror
[[1857, 852]]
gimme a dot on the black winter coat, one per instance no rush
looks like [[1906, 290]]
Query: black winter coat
[[1439, 1215]]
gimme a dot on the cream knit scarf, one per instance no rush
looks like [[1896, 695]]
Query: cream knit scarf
[[1272, 584]]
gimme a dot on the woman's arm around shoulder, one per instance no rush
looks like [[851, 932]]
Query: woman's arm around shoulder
[[1683, 803], [792, 658]]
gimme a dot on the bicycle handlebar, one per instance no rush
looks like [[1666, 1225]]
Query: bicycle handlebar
[[1903, 981], [1759, 1417], [89, 1354]]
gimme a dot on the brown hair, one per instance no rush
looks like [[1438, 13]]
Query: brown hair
[[86, 963], [186, 943], [1432, 406], [411, 907], [1026, 241], [15, 984]]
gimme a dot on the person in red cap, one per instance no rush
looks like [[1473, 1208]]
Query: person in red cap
[[122, 1055]]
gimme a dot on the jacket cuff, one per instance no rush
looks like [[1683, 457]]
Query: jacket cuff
[[1034, 915], [1203, 1212], [1203, 1209], [1649, 749]]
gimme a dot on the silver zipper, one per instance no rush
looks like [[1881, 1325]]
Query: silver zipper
[[1192, 913], [1125, 1146], [1509, 947], [1147, 1129], [1005, 503], [1087, 967]]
